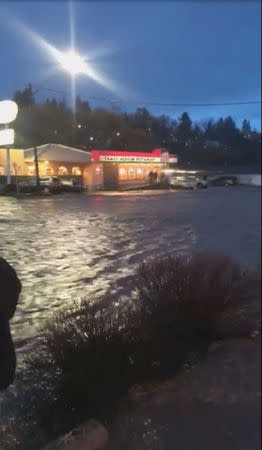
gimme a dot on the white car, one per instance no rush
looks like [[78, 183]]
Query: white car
[[188, 181]]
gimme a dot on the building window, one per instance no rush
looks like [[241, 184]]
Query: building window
[[139, 173], [31, 170], [2, 170], [62, 170], [122, 173], [98, 170], [76, 171], [131, 173], [48, 171]]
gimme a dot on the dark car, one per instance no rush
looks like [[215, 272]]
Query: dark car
[[224, 181], [51, 184], [72, 186]]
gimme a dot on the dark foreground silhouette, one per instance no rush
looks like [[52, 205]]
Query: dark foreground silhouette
[[10, 288]]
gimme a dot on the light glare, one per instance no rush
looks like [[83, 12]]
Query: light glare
[[72, 63]]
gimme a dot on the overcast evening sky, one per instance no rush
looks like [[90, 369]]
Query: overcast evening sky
[[159, 52]]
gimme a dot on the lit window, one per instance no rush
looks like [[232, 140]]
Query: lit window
[[62, 170], [130, 171], [48, 171], [76, 171], [31, 170], [2, 170], [98, 170], [139, 173], [122, 173]]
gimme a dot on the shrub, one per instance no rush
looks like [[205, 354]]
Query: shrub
[[92, 353], [185, 303], [89, 351], [188, 296]]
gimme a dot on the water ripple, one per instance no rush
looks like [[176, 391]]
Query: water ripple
[[69, 247]]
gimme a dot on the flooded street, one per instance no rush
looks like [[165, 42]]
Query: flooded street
[[71, 246]]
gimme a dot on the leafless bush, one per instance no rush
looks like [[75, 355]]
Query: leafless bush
[[92, 353], [190, 295]]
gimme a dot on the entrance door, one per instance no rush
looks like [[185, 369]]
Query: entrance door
[[110, 176]]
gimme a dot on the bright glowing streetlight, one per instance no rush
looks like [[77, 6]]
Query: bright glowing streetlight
[[8, 111], [72, 63], [7, 137]]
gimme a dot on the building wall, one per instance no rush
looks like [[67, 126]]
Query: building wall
[[16, 157], [98, 175], [93, 176], [138, 172], [53, 168]]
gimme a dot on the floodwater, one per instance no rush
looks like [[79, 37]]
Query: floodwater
[[79, 245]]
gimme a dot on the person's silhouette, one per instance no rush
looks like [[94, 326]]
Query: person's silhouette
[[10, 288]]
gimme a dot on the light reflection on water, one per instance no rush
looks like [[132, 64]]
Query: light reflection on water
[[71, 246]]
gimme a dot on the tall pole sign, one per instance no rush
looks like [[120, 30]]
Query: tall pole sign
[[8, 113]]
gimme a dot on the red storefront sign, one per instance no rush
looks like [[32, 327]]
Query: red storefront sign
[[156, 156]]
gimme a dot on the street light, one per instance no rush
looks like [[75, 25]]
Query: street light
[[7, 136], [8, 113], [72, 63]]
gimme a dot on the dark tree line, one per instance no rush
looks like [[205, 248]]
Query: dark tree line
[[213, 143]]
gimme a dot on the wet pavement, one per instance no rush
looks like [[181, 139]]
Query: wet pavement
[[71, 246]]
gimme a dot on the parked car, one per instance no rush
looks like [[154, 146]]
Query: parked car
[[27, 186], [52, 184], [188, 181], [224, 181], [72, 186]]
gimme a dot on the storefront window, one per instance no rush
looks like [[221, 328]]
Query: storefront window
[[140, 173], [62, 170], [2, 170], [31, 170], [131, 173], [46, 171], [76, 171], [122, 173], [49, 171]]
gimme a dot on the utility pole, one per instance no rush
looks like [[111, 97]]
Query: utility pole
[[36, 168], [8, 170]]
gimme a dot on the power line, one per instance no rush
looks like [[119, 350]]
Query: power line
[[239, 103], [150, 103], [254, 102]]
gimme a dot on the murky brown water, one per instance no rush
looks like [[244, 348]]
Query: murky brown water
[[72, 246]]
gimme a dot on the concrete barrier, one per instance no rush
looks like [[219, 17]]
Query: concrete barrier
[[249, 179]]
